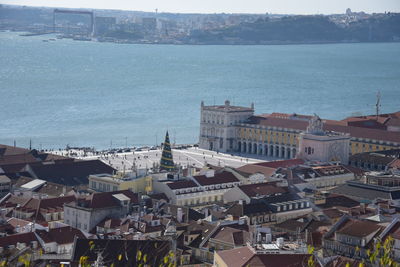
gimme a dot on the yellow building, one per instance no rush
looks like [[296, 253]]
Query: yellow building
[[276, 136], [228, 128], [108, 183]]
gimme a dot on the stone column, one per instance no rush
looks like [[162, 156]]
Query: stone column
[[285, 153]]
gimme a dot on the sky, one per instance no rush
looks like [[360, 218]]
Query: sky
[[225, 6]]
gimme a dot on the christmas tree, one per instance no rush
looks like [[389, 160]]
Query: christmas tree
[[167, 163]]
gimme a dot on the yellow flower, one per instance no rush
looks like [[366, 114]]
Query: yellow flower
[[166, 259], [120, 257]]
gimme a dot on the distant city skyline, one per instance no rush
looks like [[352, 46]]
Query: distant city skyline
[[225, 6]]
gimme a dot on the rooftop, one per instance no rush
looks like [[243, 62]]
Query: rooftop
[[219, 178], [262, 189], [334, 126], [358, 228]]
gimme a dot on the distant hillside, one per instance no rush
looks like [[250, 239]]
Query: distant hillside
[[303, 29]]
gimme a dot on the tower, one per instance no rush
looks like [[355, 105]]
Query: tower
[[167, 162], [317, 145]]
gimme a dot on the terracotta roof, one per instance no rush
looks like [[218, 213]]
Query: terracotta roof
[[110, 223], [281, 163], [232, 236], [219, 178], [106, 199], [46, 203], [236, 257], [62, 235], [70, 172], [15, 222], [262, 189], [330, 170], [301, 125], [252, 169], [17, 159], [280, 260], [49, 188], [358, 228], [26, 238], [333, 213], [182, 184], [11, 150], [335, 200]]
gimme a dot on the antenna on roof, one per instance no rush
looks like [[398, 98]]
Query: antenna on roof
[[378, 103]]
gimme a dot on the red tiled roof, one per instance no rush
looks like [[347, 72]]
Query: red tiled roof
[[280, 163], [26, 238], [335, 126], [236, 257], [219, 178], [262, 189], [232, 236], [182, 184], [62, 235], [10, 150], [252, 169], [358, 228], [106, 199], [47, 203], [280, 260], [70, 172]]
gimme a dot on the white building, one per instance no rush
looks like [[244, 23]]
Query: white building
[[86, 212], [218, 125], [198, 190]]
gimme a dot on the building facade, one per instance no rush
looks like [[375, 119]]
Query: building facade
[[317, 145], [218, 125], [109, 183], [198, 190], [227, 128]]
